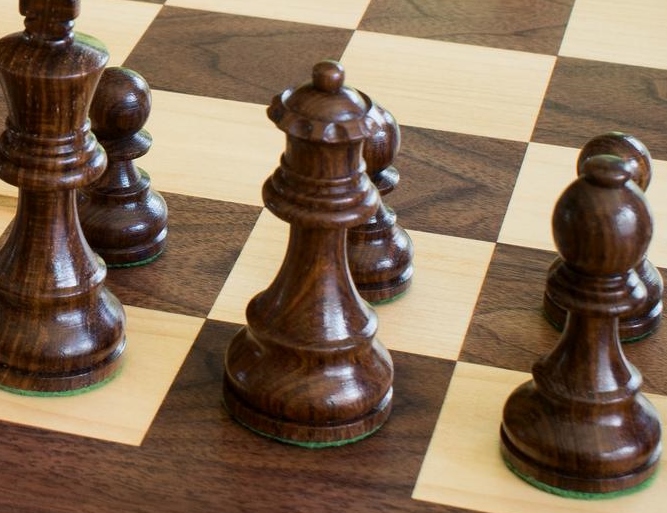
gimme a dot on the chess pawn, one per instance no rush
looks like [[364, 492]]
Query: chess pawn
[[308, 369], [582, 424], [60, 328], [380, 251], [123, 218], [645, 320]]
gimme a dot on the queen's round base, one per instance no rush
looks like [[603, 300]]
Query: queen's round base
[[46, 383], [307, 435]]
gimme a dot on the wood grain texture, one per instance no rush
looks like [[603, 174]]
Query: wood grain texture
[[455, 184], [463, 466], [454, 95], [212, 155], [122, 217], [612, 37], [574, 426], [645, 319], [180, 468], [516, 24], [61, 328], [511, 296], [122, 410], [187, 278], [586, 98], [379, 251], [343, 13], [308, 368], [243, 58]]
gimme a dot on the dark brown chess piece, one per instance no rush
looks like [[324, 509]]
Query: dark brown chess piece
[[123, 218], [380, 251], [582, 424], [645, 320], [308, 369], [60, 328]]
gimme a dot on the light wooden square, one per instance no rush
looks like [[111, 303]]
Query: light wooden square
[[130, 21], [216, 149], [624, 31], [450, 86], [7, 211], [342, 13], [123, 409], [430, 319], [545, 173], [656, 194], [463, 466]]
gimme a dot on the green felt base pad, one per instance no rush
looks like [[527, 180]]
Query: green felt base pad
[[61, 393], [576, 494], [139, 263]]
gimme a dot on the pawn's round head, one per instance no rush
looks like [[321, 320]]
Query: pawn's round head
[[381, 147], [625, 146], [602, 224], [121, 104]]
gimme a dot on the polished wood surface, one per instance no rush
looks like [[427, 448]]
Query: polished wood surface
[[477, 208], [308, 368], [557, 429], [61, 328], [123, 218], [643, 320]]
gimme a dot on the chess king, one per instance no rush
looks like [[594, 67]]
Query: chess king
[[61, 330]]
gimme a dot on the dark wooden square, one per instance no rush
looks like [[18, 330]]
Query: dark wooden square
[[586, 98], [233, 57], [526, 25], [454, 184]]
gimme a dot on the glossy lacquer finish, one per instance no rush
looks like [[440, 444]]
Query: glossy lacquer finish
[[644, 320], [380, 251], [60, 328], [308, 369], [123, 218], [582, 423]]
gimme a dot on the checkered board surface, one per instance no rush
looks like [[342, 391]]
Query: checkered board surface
[[494, 100]]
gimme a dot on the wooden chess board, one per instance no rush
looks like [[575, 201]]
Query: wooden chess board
[[494, 100]]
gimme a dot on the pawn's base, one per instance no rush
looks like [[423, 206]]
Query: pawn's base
[[126, 226], [570, 486], [580, 446], [380, 259], [574, 494], [385, 292], [633, 329], [133, 256], [307, 435]]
